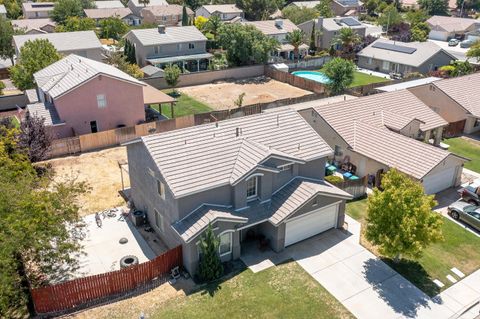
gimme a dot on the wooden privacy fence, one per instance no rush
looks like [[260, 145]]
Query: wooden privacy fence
[[356, 188], [296, 81], [79, 292]]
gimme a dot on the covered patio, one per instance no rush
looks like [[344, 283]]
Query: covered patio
[[187, 63], [286, 51], [153, 96]]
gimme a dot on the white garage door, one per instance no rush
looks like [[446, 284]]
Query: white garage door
[[438, 35], [311, 224], [439, 181]]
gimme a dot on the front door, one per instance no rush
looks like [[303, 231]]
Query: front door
[[93, 126]]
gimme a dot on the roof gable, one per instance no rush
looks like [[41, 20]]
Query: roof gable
[[463, 90]]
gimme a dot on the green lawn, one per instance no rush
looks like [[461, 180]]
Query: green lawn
[[360, 79], [460, 249], [467, 149], [185, 105], [284, 291]]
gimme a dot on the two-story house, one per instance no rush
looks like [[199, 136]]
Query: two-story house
[[168, 15], [137, 7], [34, 26], [125, 14], [278, 29], [339, 7], [226, 12], [37, 10], [258, 177], [185, 46]]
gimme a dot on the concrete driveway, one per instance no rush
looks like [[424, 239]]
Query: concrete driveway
[[365, 285]]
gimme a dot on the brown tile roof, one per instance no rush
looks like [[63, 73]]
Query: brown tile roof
[[167, 10], [268, 27], [107, 13], [451, 24]]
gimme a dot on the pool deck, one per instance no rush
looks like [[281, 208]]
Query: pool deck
[[374, 73]]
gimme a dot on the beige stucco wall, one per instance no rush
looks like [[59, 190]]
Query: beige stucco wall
[[470, 125], [450, 161]]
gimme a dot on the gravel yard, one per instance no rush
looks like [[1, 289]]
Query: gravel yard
[[221, 96]]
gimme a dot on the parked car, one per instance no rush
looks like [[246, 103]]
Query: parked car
[[453, 42], [471, 193], [466, 43], [469, 214]]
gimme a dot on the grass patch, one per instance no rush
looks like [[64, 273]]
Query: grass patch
[[285, 291], [185, 105], [468, 149], [459, 249], [360, 79]]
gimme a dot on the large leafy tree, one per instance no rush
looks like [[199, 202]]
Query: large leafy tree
[[340, 72], [113, 28], [416, 16], [324, 8], [259, 9], [420, 31], [6, 36], [245, 44], [296, 38], [390, 18], [210, 266], [347, 38], [72, 24], [213, 25], [34, 56], [299, 15], [400, 219], [434, 7], [37, 225], [13, 7], [474, 51], [121, 62], [66, 8]]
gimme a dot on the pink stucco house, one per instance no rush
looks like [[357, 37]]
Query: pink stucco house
[[80, 96]]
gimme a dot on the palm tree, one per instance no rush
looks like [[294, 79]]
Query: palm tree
[[347, 38], [213, 24], [296, 39]]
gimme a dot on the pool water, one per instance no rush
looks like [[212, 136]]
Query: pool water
[[313, 75]]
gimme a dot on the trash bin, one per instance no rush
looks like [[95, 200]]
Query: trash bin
[[138, 218]]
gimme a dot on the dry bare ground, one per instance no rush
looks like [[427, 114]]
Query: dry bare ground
[[221, 96], [100, 170]]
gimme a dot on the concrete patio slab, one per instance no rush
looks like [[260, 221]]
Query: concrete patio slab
[[368, 266]]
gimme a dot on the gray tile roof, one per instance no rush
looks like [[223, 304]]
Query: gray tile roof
[[206, 156], [109, 4], [423, 52], [63, 41], [284, 203], [46, 111], [151, 70], [30, 24], [37, 6], [72, 71], [407, 84], [269, 27], [451, 24], [305, 4], [104, 13], [166, 10], [464, 90], [172, 35], [222, 8], [136, 3]]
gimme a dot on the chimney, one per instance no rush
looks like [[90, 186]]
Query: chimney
[[161, 29], [279, 23]]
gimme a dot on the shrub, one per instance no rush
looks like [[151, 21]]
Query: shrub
[[334, 179]]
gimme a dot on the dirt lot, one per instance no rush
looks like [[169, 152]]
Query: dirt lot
[[221, 96], [100, 170]]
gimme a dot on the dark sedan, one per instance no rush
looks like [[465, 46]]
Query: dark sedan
[[471, 193], [469, 214]]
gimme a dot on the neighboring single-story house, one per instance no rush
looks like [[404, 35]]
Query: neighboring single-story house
[[37, 10], [169, 15], [380, 131], [162, 46], [258, 180], [122, 13], [392, 56], [108, 4], [34, 26], [226, 12], [82, 43], [339, 7], [137, 7], [278, 29], [151, 71], [327, 29], [456, 100], [445, 28], [80, 96]]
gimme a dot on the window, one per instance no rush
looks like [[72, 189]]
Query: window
[[225, 16], [179, 47], [191, 46], [285, 167], [158, 220], [386, 65], [93, 126], [156, 49], [369, 61], [101, 101], [161, 189], [477, 123], [252, 187], [225, 243], [164, 18]]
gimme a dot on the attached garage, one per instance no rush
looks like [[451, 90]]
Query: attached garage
[[438, 35], [434, 183], [311, 224]]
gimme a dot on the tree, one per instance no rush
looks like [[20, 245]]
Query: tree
[[420, 31], [172, 75], [295, 39], [259, 9], [371, 6], [38, 220], [457, 68], [390, 18], [299, 14], [34, 56], [324, 9], [66, 8], [120, 61], [184, 16], [416, 16], [35, 137], [200, 23], [347, 38], [195, 4], [312, 47], [400, 219], [6, 37], [239, 101], [245, 44], [2, 87], [340, 72], [474, 51], [13, 7], [434, 7], [112, 28], [72, 24], [129, 52], [213, 25], [210, 267]]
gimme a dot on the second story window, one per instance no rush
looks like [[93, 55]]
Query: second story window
[[252, 187], [101, 101], [161, 189]]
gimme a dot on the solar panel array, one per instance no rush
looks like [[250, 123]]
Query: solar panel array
[[348, 3], [351, 22], [394, 47]]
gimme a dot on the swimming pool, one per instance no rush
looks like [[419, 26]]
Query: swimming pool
[[313, 75]]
